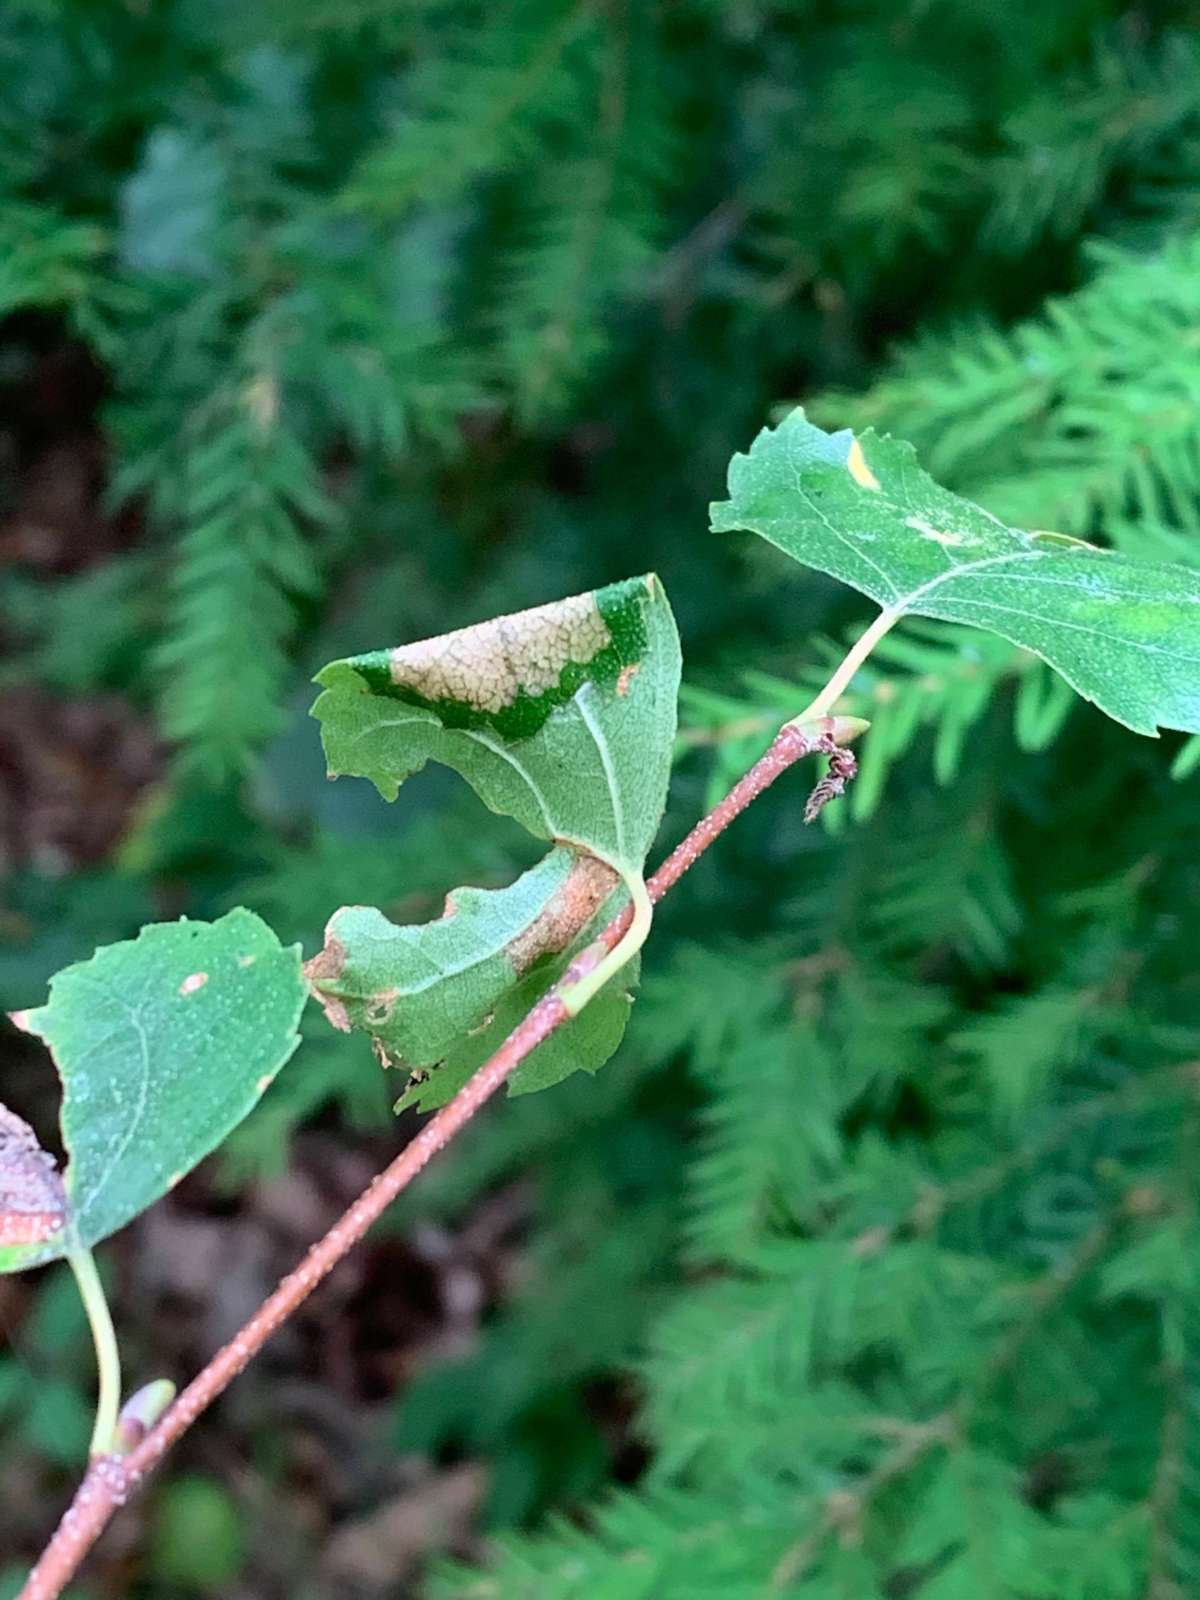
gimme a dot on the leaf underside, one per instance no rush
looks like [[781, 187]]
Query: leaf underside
[[562, 717], [163, 1044], [428, 994], [1124, 634]]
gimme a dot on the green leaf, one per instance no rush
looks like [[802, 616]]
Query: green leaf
[[562, 716], [420, 991], [582, 1045], [1123, 633], [163, 1044]]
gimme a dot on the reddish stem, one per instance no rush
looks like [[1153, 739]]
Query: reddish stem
[[110, 1479]]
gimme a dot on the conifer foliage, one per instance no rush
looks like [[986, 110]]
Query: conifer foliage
[[882, 1225]]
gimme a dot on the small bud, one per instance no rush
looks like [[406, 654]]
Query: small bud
[[139, 1414], [842, 730]]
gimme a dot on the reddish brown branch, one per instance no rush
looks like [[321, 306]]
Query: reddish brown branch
[[110, 1480]]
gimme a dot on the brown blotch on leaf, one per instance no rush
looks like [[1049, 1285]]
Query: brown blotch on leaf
[[335, 1012], [380, 1051], [626, 677], [33, 1202], [327, 963], [381, 1006], [588, 884]]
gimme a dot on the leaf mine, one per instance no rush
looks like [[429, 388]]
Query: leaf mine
[[33, 1201]]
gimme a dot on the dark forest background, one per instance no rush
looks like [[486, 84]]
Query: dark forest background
[[870, 1268]]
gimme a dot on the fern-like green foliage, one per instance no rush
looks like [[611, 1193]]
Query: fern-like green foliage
[[1082, 418], [867, 1268], [241, 491]]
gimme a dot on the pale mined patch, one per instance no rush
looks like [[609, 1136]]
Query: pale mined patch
[[938, 535], [380, 1052], [626, 677], [335, 1012], [486, 666], [329, 962], [584, 890], [1069, 539], [194, 981], [33, 1204], [856, 464]]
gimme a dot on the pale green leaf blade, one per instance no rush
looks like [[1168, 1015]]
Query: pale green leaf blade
[[1123, 633], [562, 716], [163, 1044], [418, 990]]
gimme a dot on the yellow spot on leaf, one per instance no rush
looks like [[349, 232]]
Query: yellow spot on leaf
[[858, 468], [1069, 539]]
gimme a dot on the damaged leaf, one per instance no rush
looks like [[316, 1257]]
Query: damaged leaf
[[163, 1044], [562, 716], [417, 990], [1123, 633], [33, 1202], [582, 1045]]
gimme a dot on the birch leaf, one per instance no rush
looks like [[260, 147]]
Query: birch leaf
[[583, 1045], [1123, 633], [428, 994], [163, 1044], [562, 716]]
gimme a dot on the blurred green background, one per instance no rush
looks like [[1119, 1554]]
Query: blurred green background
[[869, 1268]]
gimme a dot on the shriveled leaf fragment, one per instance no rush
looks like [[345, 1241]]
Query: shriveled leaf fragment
[[416, 990], [562, 716], [33, 1202], [1123, 633], [163, 1044]]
